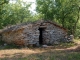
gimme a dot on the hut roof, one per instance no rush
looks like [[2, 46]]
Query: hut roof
[[23, 25], [55, 24]]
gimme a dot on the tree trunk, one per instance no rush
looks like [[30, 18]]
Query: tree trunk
[[63, 18], [75, 25]]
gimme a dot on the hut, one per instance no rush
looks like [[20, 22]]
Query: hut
[[38, 33]]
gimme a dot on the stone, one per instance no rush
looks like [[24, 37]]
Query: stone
[[28, 34], [44, 46], [70, 38], [56, 42], [5, 44]]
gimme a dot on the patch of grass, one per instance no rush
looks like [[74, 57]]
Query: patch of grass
[[49, 56], [65, 45], [74, 56], [1, 42], [7, 46], [61, 45], [10, 46]]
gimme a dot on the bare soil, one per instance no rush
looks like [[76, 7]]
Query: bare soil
[[58, 52]]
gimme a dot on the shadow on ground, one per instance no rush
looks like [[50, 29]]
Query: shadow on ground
[[13, 46], [43, 54], [64, 51]]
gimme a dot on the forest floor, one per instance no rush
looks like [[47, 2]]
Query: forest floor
[[64, 51]]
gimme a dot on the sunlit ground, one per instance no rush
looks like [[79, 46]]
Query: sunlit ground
[[67, 51]]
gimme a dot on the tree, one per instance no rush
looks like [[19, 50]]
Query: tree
[[2, 3], [14, 13], [46, 8], [66, 12]]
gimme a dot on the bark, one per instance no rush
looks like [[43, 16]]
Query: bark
[[75, 25], [63, 18]]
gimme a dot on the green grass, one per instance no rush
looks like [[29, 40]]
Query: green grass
[[8, 46], [74, 56], [65, 45], [57, 55]]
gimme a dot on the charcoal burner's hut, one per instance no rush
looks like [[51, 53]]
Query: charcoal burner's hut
[[38, 33]]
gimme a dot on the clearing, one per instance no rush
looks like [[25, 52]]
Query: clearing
[[65, 51]]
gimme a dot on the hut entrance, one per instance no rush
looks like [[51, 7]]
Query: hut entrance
[[41, 36], [41, 29]]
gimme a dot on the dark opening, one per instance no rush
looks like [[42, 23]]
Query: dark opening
[[41, 36]]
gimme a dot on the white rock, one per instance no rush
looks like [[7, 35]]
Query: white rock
[[45, 46]]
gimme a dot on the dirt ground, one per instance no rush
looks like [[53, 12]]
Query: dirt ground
[[39, 53]]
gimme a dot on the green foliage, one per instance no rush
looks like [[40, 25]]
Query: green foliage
[[65, 12], [46, 8], [77, 34], [14, 13], [36, 17], [3, 2]]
